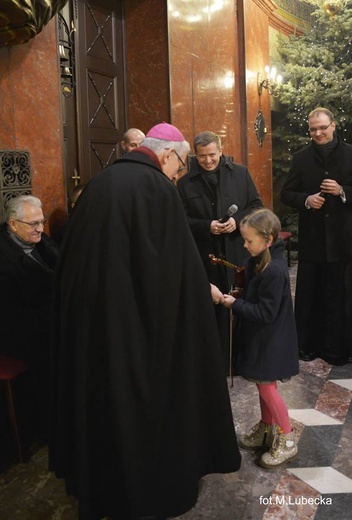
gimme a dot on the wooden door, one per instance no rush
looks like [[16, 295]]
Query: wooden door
[[94, 115]]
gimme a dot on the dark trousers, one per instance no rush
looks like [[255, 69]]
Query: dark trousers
[[323, 310]]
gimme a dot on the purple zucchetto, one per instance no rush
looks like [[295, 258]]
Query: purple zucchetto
[[166, 132]]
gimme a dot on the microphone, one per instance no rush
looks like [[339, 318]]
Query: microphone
[[230, 212]]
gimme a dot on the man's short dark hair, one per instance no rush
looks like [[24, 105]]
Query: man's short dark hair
[[321, 110], [205, 138]]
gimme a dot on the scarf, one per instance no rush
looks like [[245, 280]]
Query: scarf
[[324, 151], [28, 248], [212, 179]]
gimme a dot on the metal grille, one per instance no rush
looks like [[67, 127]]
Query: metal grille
[[15, 176]]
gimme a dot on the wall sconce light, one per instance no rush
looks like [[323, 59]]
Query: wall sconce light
[[66, 56], [272, 83], [260, 128]]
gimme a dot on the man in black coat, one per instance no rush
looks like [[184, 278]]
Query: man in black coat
[[319, 185], [140, 405], [213, 184], [27, 262]]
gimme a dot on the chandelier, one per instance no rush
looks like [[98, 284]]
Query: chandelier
[[330, 6]]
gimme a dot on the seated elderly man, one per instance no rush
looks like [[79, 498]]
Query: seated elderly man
[[27, 261]]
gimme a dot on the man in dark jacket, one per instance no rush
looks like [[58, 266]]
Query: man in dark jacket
[[27, 261], [319, 185], [213, 184], [140, 406]]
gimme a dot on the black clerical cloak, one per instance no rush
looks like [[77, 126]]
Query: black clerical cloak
[[140, 404]]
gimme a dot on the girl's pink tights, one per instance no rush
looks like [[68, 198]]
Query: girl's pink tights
[[273, 407]]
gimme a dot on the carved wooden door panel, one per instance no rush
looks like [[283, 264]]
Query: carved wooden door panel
[[95, 120], [100, 93]]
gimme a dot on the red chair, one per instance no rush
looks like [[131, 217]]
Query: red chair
[[286, 236], [10, 368]]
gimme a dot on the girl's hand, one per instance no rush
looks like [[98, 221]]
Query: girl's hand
[[228, 300]]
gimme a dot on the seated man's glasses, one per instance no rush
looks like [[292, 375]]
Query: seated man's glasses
[[33, 225]]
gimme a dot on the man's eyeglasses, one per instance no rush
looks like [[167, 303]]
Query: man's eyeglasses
[[183, 167], [319, 128], [33, 225]]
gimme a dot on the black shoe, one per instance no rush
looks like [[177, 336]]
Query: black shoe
[[307, 356]]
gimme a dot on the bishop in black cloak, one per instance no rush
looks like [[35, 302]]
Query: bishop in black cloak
[[140, 407]]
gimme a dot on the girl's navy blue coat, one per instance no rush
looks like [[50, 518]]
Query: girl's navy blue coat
[[265, 339]]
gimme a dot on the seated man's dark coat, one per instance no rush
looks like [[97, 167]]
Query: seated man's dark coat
[[26, 290]]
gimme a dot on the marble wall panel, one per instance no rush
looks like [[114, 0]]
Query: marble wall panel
[[213, 102], [203, 69], [257, 56], [205, 28], [7, 135], [186, 25], [47, 181], [30, 118], [147, 71], [182, 94]]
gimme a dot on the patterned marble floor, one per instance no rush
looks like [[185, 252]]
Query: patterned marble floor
[[317, 486]]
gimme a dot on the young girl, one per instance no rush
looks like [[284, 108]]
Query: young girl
[[266, 339]]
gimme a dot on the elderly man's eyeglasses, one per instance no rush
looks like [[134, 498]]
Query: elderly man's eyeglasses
[[33, 225], [319, 128], [183, 167]]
